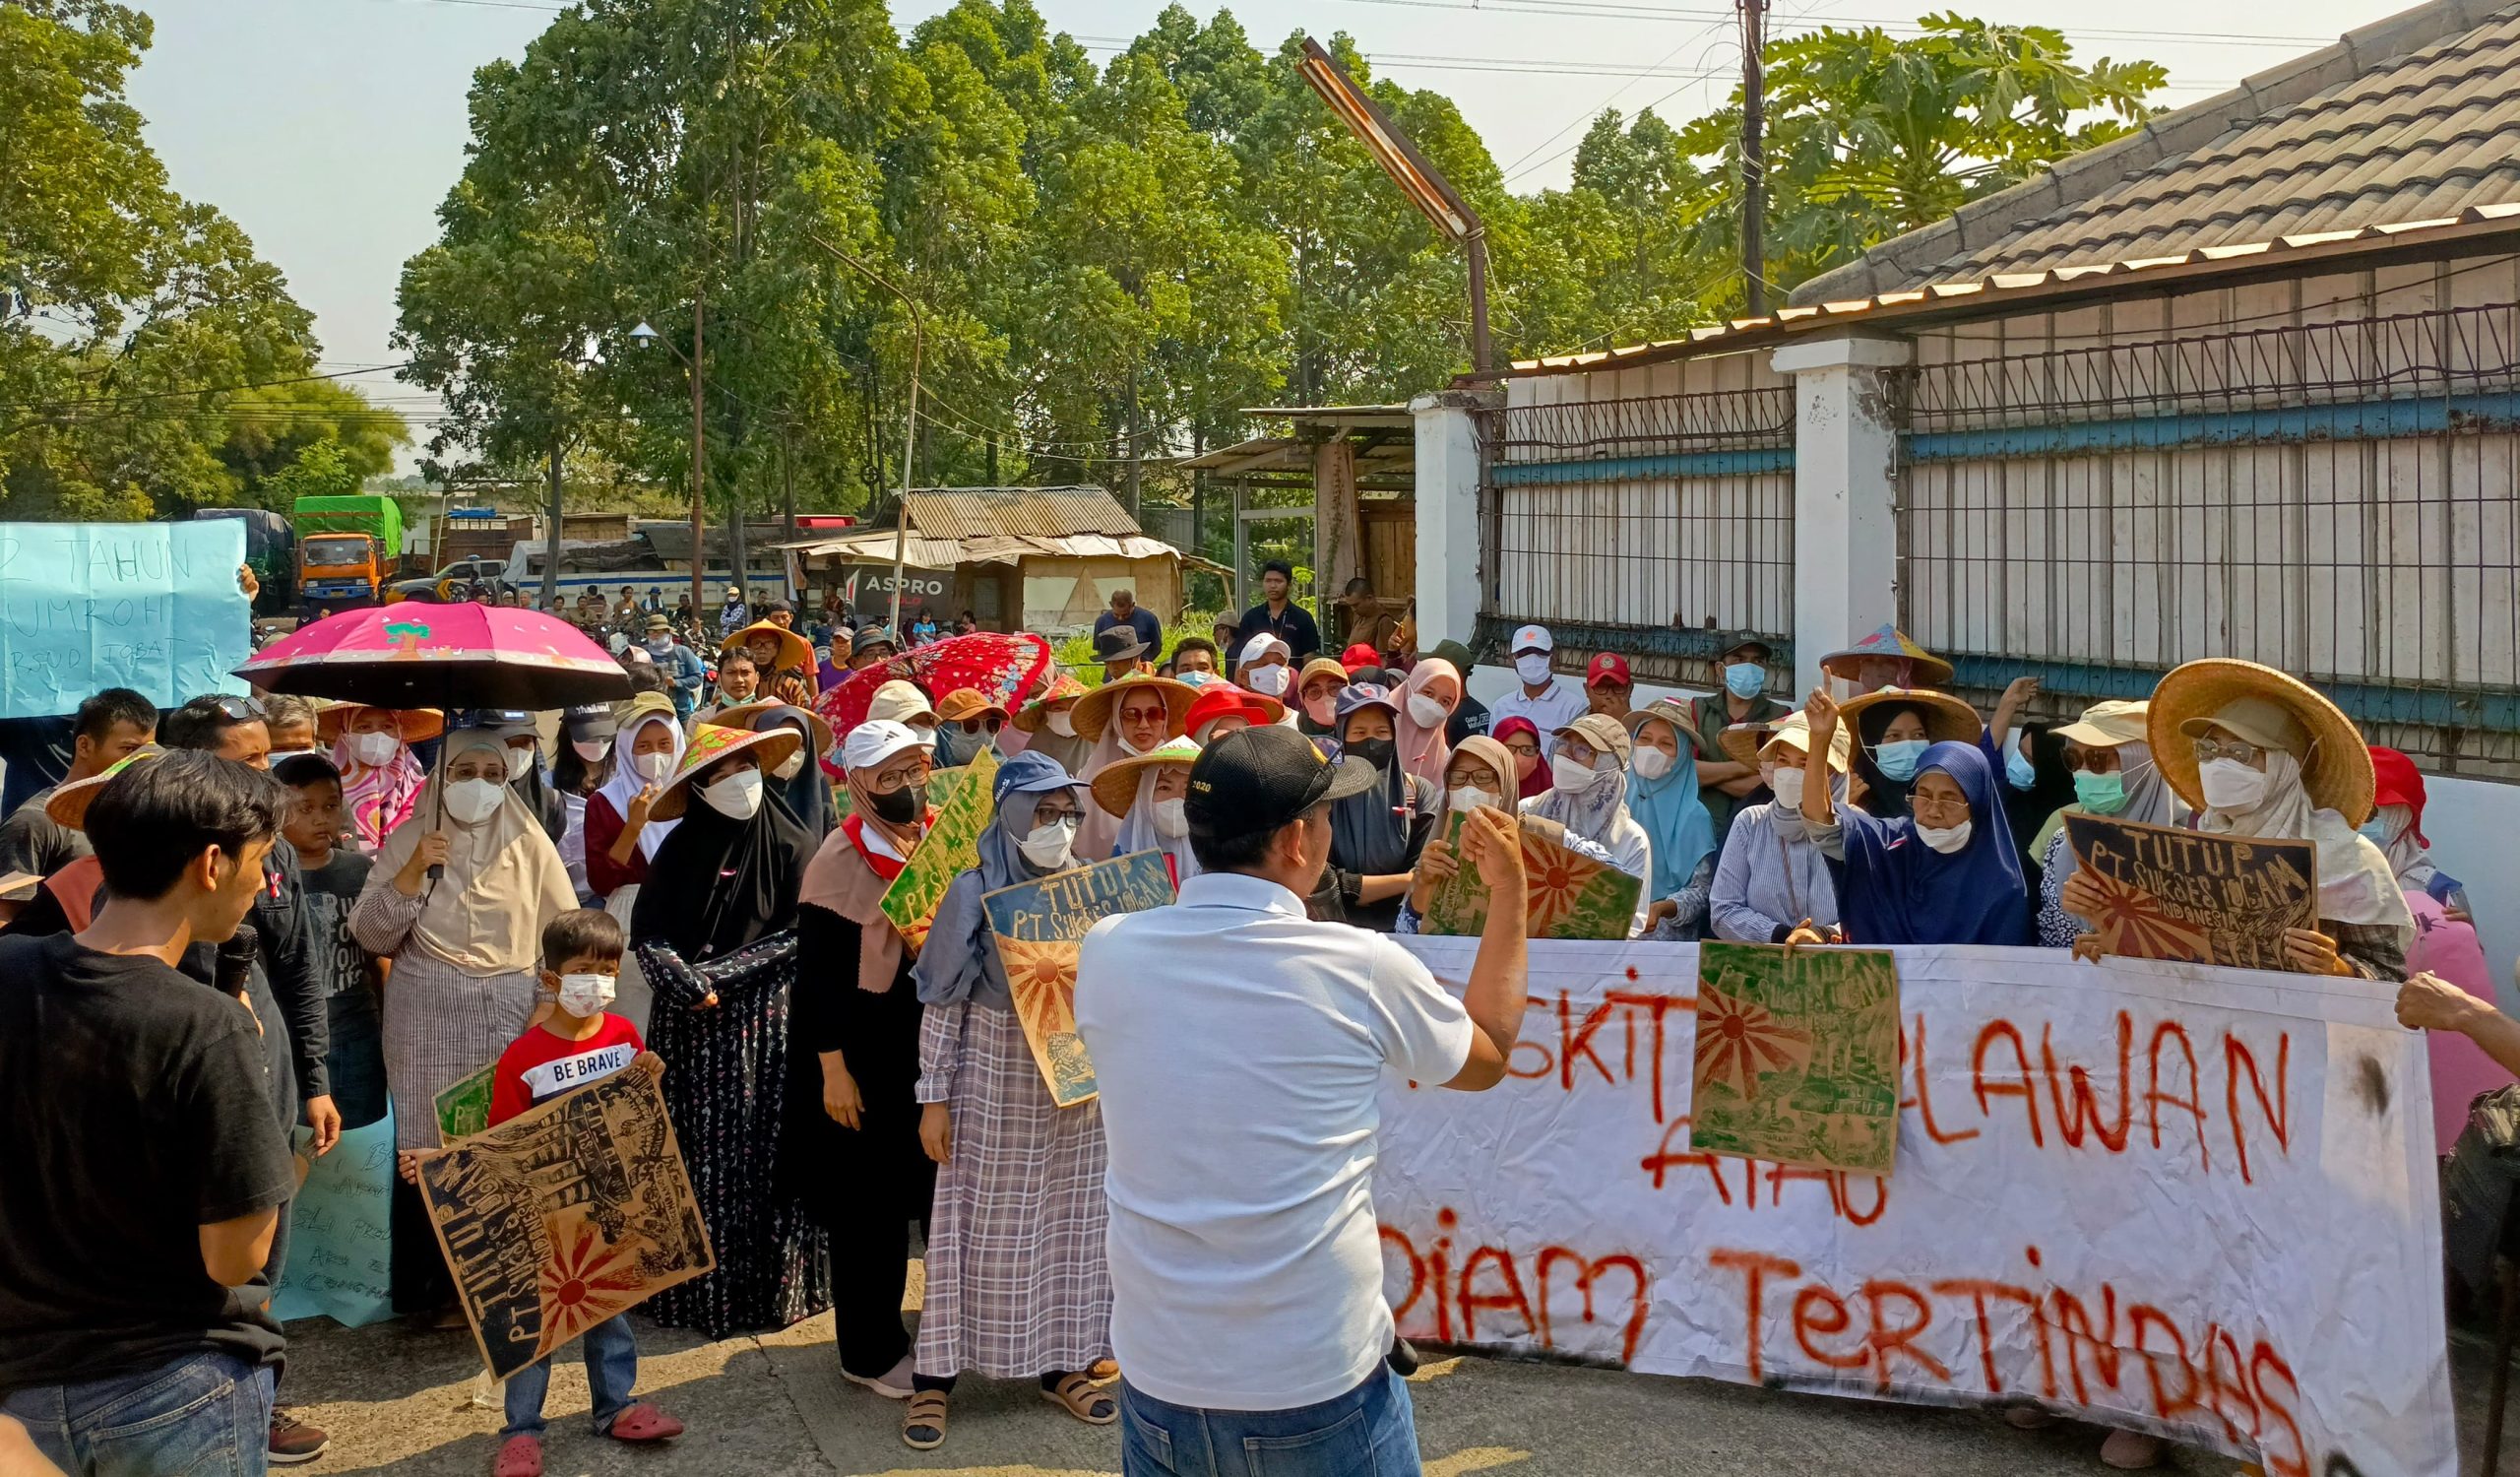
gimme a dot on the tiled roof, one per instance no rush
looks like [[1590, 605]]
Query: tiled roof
[[2413, 118], [1023, 512]]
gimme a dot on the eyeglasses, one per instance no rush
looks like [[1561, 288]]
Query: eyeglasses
[[2210, 749], [886, 781], [1057, 807], [1578, 750], [1527, 750]]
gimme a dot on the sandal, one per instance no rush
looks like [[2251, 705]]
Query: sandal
[[1103, 1371], [643, 1422], [924, 1420], [1077, 1396]]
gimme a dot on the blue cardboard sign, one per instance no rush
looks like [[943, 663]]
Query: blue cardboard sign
[[153, 607], [341, 1233]]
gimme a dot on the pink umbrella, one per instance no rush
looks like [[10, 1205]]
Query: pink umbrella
[[416, 654], [1004, 669]]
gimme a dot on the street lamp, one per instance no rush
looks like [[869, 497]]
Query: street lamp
[[644, 335]]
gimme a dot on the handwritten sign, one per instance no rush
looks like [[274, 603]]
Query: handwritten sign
[[340, 1236], [1797, 1055], [1571, 896], [152, 607], [1040, 927], [565, 1215], [2178, 894], [951, 847], [465, 1107], [2184, 1199]]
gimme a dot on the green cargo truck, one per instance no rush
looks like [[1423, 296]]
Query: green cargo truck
[[348, 548]]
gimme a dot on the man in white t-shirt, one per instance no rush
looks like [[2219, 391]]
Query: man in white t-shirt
[[1240, 1049]]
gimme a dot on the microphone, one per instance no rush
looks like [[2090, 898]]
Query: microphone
[[235, 964]]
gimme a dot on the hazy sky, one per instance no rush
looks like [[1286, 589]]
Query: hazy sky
[[330, 129]]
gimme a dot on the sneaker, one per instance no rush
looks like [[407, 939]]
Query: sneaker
[[292, 1441], [2130, 1450], [519, 1456], [892, 1384]]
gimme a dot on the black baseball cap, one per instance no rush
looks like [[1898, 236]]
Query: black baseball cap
[[1258, 779], [592, 721]]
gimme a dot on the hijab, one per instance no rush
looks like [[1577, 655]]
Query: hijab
[[1369, 831], [2357, 884], [1537, 782], [718, 884], [623, 785], [2148, 802], [1886, 799], [1100, 829], [1595, 811], [1497, 756], [1423, 751], [807, 794], [1676, 820], [378, 796], [503, 880], [960, 962], [2052, 788], [539, 798], [1138, 832], [1893, 888]]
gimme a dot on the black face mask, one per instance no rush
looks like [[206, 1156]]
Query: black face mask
[[1374, 752], [903, 806]]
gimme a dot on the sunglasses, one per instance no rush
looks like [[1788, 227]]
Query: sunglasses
[[2210, 749], [237, 709]]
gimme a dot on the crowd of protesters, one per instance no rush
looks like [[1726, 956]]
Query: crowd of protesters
[[241, 918]]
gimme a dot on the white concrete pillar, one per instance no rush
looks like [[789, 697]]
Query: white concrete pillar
[[1846, 536], [1448, 552]]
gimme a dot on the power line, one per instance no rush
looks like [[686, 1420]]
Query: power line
[[109, 400]]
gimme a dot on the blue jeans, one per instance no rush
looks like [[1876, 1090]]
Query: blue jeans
[[203, 1414], [1367, 1432], [612, 1368]]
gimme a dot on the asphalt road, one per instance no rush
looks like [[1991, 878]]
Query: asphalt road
[[401, 1401]]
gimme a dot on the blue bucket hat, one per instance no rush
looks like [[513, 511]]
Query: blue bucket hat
[[1029, 773]]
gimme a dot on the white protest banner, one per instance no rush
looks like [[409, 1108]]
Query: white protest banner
[[149, 606], [2190, 1201]]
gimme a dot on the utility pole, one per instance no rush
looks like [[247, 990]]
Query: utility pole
[[1755, 166], [552, 539], [1132, 482], [699, 474], [909, 443]]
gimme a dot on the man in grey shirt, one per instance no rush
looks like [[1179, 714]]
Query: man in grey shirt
[[110, 725]]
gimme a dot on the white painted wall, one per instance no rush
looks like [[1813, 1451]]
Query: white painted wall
[[1447, 517]]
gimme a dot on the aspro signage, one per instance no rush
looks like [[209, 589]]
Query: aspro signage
[[868, 589]]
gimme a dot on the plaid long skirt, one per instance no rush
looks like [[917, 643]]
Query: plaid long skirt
[[1018, 1283], [441, 1025]]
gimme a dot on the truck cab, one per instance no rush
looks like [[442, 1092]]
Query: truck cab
[[340, 571]]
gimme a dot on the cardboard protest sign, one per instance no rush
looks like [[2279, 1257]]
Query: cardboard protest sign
[[463, 1109], [951, 847], [566, 1215], [1570, 896], [1797, 1055], [2178, 1198], [153, 606], [1041, 927], [340, 1239], [2198, 898]]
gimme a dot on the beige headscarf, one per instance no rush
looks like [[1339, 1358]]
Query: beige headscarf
[[503, 877]]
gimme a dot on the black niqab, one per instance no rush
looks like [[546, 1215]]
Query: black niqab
[[718, 884]]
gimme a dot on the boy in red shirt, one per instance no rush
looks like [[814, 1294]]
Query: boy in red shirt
[[580, 1042]]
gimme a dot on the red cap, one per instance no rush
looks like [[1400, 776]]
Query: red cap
[[1217, 699], [1608, 667], [2395, 781], [1359, 657]]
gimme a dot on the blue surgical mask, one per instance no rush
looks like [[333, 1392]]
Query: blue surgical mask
[[2019, 772], [2376, 831], [2100, 794], [1899, 759], [1745, 679]]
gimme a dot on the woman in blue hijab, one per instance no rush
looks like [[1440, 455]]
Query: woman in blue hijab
[[1947, 873], [1661, 795]]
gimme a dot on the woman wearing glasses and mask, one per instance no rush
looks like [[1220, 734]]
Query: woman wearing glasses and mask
[[714, 933], [852, 1153], [1893, 728], [2115, 777], [1018, 1285], [464, 944]]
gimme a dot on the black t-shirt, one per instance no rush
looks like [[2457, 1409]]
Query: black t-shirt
[[337, 963], [33, 841], [133, 1112]]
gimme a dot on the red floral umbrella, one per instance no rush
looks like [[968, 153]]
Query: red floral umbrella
[[418, 655], [1005, 669]]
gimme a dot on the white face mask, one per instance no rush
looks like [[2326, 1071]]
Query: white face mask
[[2229, 785], [375, 750], [1269, 680], [1532, 669], [1788, 785], [473, 802], [1470, 798], [653, 766], [586, 994], [1061, 724], [1425, 712], [1321, 710], [735, 797], [1048, 847], [1172, 817], [1946, 840], [592, 750], [1570, 775], [520, 764], [1652, 763], [787, 767], [1128, 749]]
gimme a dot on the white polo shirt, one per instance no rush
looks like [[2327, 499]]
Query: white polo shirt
[[1241, 1048], [1553, 710]]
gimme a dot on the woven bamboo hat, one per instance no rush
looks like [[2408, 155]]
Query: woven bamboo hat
[[66, 805], [415, 724], [1667, 710], [1062, 688], [1743, 743], [2268, 708], [1947, 718], [1115, 788], [1093, 710], [1895, 645], [710, 743], [746, 715]]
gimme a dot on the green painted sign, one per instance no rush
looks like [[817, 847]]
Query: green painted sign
[[1570, 896], [1797, 1055], [465, 1108], [951, 847]]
